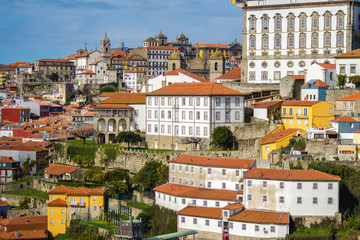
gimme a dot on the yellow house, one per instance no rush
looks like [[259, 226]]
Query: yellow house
[[277, 139], [57, 216], [306, 114], [65, 203]]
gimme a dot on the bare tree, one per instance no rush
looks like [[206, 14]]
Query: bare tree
[[83, 133], [192, 140]]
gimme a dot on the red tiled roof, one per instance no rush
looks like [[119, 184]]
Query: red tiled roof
[[299, 103], [4, 203], [57, 202], [108, 94], [25, 234], [4, 159], [196, 89], [345, 119], [352, 54], [57, 169], [126, 98], [255, 216], [279, 135], [177, 72], [119, 106], [290, 175], [59, 190], [297, 76], [318, 83], [194, 192], [266, 104], [88, 72], [233, 206], [351, 97], [214, 161], [327, 65], [332, 133], [205, 212], [233, 74], [52, 60]]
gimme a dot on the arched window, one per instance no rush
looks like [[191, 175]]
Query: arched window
[[174, 66]]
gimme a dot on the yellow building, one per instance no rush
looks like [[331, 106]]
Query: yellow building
[[3, 77], [307, 114], [66, 203], [277, 139]]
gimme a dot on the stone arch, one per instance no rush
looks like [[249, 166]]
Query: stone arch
[[102, 125], [122, 125], [111, 125]]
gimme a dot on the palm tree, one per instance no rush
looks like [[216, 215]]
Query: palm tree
[[117, 187], [28, 165]]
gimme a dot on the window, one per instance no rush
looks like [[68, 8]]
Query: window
[[277, 42], [264, 184], [183, 218], [217, 101], [169, 129], [205, 115], [207, 222], [278, 24], [252, 25], [149, 101], [265, 24], [169, 114], [257, 228], [272, 229], [149, 128], [302, 41], [191, 115], [315, 23], [183, 201], [252, 42], [243, 226], [63, 211], [209, 170], [183, 129], [342, 69], [169, 101], [156, 101], [264, 198], [340, 40], [155, 128], [51, 221], [290, 111], [191, 131], [149, 114], [314, 41], [327, 41], [330, 186], [183, 113], [194, 202], [249, 197], [330, 200], [217, 115], [264, 75], [299, 200], [251, 75], [282, 185], [340, 22], [284, 111], [281, 199], [291, 22], [51, 210], [197, 130], [223, 171], [249, 183], [331, 111], [197, 115], [265, 41], [315, 186], [327, 22], [219, 224], [62, 221], [302, 23], [299, 185], [197, 101], [183, 101], [217, 204], [352, 69], [223, 185], [305, 112], [315, 200]]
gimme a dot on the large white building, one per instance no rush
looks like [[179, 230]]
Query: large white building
[[283, 37], [299, 192], [181, 113]]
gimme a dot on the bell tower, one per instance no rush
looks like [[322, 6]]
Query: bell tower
[[105, 50]]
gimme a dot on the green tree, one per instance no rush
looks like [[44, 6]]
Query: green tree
[[24, 202], [83, 133], [54, 77], [28, 165], [128, 137], [355, 80], [95, 174], [222, 137], [341, 80], [117, 187], [69, 96], [151, 175]]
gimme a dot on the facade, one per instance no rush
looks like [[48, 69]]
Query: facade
[[38, 107], [314, 90], [129, 62], [348, 64], [58, 172], [67, 203], [345, 126], [206, 50], [121, 112], [307, 114], [183, 112], [282, 38], [299, 192], [348, 105], [178, 75], [209, 172], [8, 168], [323, 72], [266, 109], [133, 80], [45, 67], [15, 114]]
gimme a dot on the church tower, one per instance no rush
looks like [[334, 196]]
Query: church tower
[[162, 39], [175, 61], [105, 51], [217, 65]]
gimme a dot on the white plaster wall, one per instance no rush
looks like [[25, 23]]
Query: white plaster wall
[[308, 92], [280, 230], [200, 226], [261, 113]]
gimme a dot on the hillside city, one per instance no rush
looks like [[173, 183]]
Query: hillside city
[[257, 139]]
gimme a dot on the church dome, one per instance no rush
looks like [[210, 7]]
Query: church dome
[[175, 55], [160, 35], [181, 36], [105, 38], [217, 54]]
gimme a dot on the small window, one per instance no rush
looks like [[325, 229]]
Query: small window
[[217, 204], [264, 198], [264, 184], [219, 224], [62, 221], [205, 203], [257, 228], [183, 201], [330, 200], [315, 186], [299, 186], [315, 200], [272, 229], [224, 172], [299, 200], [282, 185], [51, 210], [281, 199], [207, 222], [249, 197], [183, 219], [243, 227], [249, 183], [330, 186]]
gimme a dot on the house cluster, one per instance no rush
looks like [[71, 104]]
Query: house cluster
[[224, 198]]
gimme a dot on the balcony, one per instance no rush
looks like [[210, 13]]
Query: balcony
[[75, 204]]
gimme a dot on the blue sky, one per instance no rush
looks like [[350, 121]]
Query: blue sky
[[35, 29]]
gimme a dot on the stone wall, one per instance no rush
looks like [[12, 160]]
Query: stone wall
[[249, 88], [140, 197], [14, 200], [308, 220], [41, 185], [114, 203], [332, 95], [27, 212]]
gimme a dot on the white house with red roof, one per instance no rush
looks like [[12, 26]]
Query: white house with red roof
[[348, 64], [183, 115], [314, 90], [265, 109], [232, 75], [176, 76], [322, 71], [299, 192]]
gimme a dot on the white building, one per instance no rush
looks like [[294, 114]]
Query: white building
[[209, 172], [323, 72], [348, 64], [182, 113], [177, 197], [299, 192], [178, 75], [133, 80], [265, 109], [284, 37], [233, 222]]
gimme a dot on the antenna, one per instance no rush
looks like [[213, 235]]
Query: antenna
[[85, 46]]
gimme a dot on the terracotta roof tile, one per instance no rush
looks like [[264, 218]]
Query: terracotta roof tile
[[4, 159], [280, 135], [233, 206], [205, 212], [299, 103], [316, 83], [4, 203], [25, 234], [57, 169], [177, 72], [57, 202], [266, 104], [233, 74], [352, 54], [255, 216], [78, 191], [126, 98], [290, 175], [194, 192], [120, 106], [351, 97], [59, 190], [297, 76], [214, 161], [195, 89], [327, 65], [345, 119]]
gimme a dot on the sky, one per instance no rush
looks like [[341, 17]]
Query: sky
[[36, 29]]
